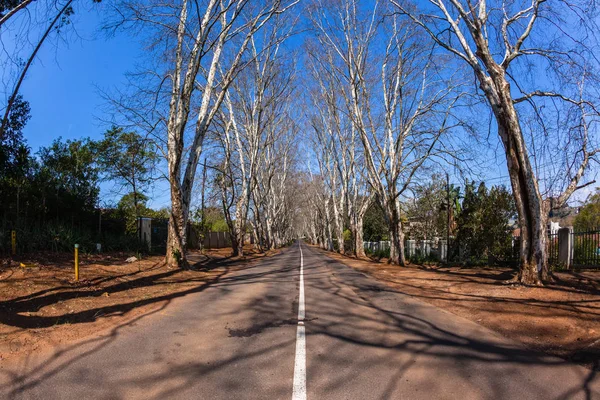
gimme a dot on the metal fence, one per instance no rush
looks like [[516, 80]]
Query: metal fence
[[553, 247], [434, 250], [585, 249]]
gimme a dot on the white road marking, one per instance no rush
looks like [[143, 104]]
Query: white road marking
[[299, 392]]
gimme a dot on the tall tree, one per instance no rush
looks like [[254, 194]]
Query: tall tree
[[588, 217], [129, 159], [71, 178], [507, 44], [15, 161], [255, 109]]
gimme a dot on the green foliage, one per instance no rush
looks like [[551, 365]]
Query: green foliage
[[374, 226], [588, 218], [177, 255], [70, 175], [127, 208], [128, 159], [378, 254], [421, 258], [162, 213], [585, 249], [219, 226], [51, 200], [16, 164], [347, 235], [127, 211], [213, 219], [428, 214], [483, 226]]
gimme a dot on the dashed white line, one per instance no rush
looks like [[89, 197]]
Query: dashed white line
[[299, 392]]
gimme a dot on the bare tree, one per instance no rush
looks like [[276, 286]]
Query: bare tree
[[396, 93], [274, 199], [255, 104], [507, 44], [328, 129], [206, 45]]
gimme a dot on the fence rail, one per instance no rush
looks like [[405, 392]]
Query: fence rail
[[566, 249]]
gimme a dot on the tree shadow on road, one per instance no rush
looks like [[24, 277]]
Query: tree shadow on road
[[365, 314], [356, 328], [227, 274]]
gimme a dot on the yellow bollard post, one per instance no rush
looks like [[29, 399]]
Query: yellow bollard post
[[76, 263], [13, 242]]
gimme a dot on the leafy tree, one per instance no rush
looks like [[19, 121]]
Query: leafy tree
[[130, 207], [15, 162], [129, 211], [215, 220], [483, 225], [129, 159], [374, 225], [427, 215], [589, 216], [71, 178]]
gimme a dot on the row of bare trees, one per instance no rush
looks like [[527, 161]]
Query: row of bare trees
[[394, 93], [256, 135], [216, 72], [383, 102]]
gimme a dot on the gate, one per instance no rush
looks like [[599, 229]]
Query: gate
[[159, 232]]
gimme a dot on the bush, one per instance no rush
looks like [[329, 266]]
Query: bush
[[420, 258], [61, 238], [379, 254]]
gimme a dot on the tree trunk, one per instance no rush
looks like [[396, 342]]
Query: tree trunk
[[360, 216], [340, 237], [176, 239], [532, 210], [241, 213], [397, 245], [234, 244], [269, 243], [359, 245], [396, 234], [329, 234], [239, 237]]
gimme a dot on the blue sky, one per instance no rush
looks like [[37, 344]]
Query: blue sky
[[62, 84], [64, 87]]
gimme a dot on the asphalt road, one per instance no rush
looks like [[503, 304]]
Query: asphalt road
[[241, 338]]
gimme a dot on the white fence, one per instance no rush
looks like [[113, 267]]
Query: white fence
[[434, 248], [376, 246]]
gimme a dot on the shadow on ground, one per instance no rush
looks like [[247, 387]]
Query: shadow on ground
[[361, 328]]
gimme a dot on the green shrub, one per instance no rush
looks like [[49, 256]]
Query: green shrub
[[61, 238]]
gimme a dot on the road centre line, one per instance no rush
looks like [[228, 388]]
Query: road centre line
[[299, 391]]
